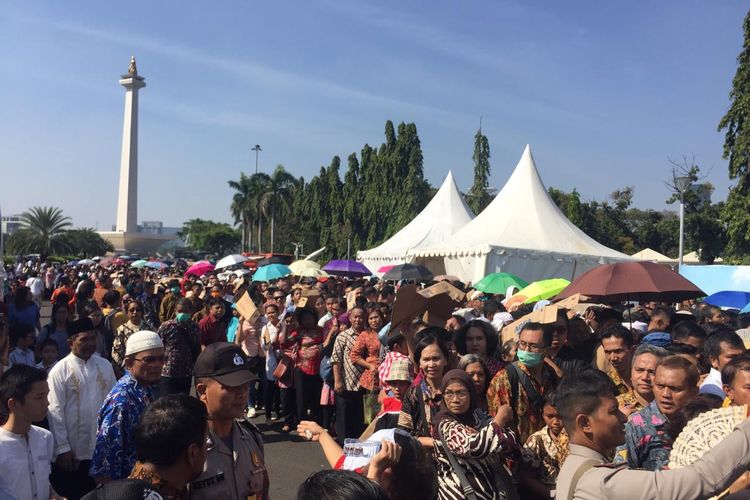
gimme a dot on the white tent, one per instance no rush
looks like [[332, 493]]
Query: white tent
[[653, 256], [522, 231], [692, 258], [445, 214]]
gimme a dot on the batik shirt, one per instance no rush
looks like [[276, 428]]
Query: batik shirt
[[181, 347], [114, 454], [631, 399], [647, 440], [342, 348], [542, 453], [620, 384], [158, 483]]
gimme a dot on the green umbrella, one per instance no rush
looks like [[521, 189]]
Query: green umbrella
[[499, 283], [139, 263], [541, 290]]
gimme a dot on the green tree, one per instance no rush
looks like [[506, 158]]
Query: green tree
[[86, 242], [478, 197], [736, 122], [574, 210], [42, 232], [244, 206], [277, 196], [213, 237]]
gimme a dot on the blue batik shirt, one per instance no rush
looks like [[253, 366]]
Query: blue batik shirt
[[647, 440], [114, 454]]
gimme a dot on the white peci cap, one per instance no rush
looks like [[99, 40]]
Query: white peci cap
[[142, 341]]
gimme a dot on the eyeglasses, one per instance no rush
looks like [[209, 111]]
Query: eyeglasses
[[150, 360], [525, 346], [456, 394]]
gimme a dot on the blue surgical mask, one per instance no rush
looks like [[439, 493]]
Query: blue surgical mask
[[182, 317], [530, 359]]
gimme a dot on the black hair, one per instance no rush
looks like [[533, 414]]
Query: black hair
[[184, 301], [582, 395], [387, 291], [685, 329], [89, 309], [546, 332], [272, 305], [550, 399], [301, 312], [168, 427], [48, 342], [681, 348], [619, 332], [700, 404], [19, 299], [16, 383], [738, 364], [19, 331], [427, 340], [603, 314], [56, 307], [85, 290], [692, 375], [712, 347], [490, 334], [213, 301], [340, 485], [111, 298], [414, 476], [370, 290]]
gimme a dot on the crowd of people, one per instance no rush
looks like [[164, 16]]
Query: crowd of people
[[151, 380]]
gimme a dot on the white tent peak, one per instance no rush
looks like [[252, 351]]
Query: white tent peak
[[446, 213], [523, 223], [653, 256]]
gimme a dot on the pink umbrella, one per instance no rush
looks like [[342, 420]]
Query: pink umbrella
[[385, 269], [200, 268]]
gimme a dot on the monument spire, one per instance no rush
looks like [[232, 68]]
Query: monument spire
[[127, 201]]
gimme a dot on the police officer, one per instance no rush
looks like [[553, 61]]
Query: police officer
[[235, 467], [596, 427]]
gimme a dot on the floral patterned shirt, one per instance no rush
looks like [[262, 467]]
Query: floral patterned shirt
[[367, 348], [124, 332], [542, 453], [647, 440], [181, 347], [114, 453], [500, 393]]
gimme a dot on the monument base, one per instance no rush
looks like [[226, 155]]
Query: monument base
[[139, 243]]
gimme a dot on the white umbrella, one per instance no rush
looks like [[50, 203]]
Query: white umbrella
[[230, 260], [86, 262]]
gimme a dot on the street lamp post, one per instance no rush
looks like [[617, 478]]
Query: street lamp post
[[257, 148], [682, 184]]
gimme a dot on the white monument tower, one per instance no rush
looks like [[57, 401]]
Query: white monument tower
[[125, 237], [127, 201]]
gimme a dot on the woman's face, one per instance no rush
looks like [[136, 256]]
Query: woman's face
[[477, 375], [272, 314], [476, 342], [374, 321], [296, 294], [432, 361], [135, 313], [457, 398], [320, 306]]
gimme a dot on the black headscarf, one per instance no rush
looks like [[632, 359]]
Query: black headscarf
[[466, 418]]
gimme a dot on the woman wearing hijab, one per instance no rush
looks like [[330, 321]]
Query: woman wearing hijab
[[466, 435]]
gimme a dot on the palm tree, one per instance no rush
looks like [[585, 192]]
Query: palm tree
[[277, 196], [43, 232], [246, 205]]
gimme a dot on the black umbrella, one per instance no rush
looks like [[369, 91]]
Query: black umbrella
[[408, 272]]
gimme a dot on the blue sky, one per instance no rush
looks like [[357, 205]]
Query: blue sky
[[604, 92]]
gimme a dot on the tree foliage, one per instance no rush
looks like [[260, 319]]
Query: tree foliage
[[478, 197], [736, 211], [86, 242], [42, 232], [381, 191], [211, 237]]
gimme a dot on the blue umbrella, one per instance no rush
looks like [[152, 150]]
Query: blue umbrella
[[271, 272], [728, 298], [154, 264], [745, 309]]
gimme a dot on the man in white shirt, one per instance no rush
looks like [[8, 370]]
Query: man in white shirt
[[25, 450], [36, 285], [79, 383], [720, 348]]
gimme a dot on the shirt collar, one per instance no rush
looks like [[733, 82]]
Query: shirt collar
[[586, 452]]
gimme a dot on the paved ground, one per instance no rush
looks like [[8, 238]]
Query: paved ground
[[289, 458]]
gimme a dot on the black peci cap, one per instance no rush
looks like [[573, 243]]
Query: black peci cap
[[225, 363]]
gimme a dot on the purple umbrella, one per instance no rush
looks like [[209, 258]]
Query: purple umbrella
[[347, 268]]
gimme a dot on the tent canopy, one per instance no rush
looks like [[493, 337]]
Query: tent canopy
[[522, 231], [653, 256], [445, 214]]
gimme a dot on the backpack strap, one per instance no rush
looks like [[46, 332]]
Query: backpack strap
[[422, 412], [512, 373]]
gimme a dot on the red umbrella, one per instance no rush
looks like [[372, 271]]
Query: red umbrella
[[200, 268], [641, 281]]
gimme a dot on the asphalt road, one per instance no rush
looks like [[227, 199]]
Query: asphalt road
[[289, 458]]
